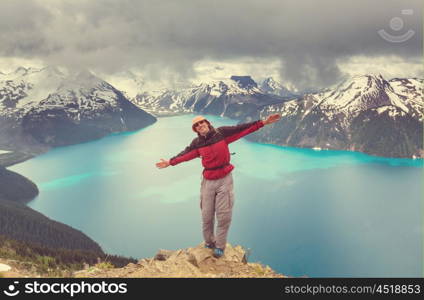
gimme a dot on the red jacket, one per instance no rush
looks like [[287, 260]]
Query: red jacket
[[213, 148]]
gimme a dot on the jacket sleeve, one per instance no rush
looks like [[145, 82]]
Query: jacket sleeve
[[189, 153], [233, 133]]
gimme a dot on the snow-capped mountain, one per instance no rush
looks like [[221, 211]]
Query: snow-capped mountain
[[48, 107], [364, 113], [361, 93], [234, 97], [23, 88], [410, 91], [271, 86]]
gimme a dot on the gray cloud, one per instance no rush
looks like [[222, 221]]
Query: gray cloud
[[109, 36]]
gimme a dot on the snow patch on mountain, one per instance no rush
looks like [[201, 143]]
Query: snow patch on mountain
[[391, 110], [360, 93], [271, 86], [27, 87], [38, 89]]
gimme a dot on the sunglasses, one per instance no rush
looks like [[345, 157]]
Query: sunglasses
[[198, 123]]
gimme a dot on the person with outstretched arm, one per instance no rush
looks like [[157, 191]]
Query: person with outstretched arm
[[217, 189]]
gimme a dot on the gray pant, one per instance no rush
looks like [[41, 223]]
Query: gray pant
[[217, 196]]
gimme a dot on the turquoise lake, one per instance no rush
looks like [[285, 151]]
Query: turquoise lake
[[300, 211]]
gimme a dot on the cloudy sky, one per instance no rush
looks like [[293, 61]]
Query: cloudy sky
[[304, 43]]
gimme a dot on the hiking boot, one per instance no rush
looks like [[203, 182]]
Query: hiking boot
[[218, 252]]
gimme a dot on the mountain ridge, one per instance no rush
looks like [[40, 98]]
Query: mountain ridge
[[48, 108], [327, 119]]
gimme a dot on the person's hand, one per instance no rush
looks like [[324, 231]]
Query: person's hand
[[272, 119], [163, 163]]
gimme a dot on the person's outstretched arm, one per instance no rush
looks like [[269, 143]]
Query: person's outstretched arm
[[233, 133], [189, 153]]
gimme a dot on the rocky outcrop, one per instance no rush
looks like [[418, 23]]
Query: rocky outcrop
[[194, 262]]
